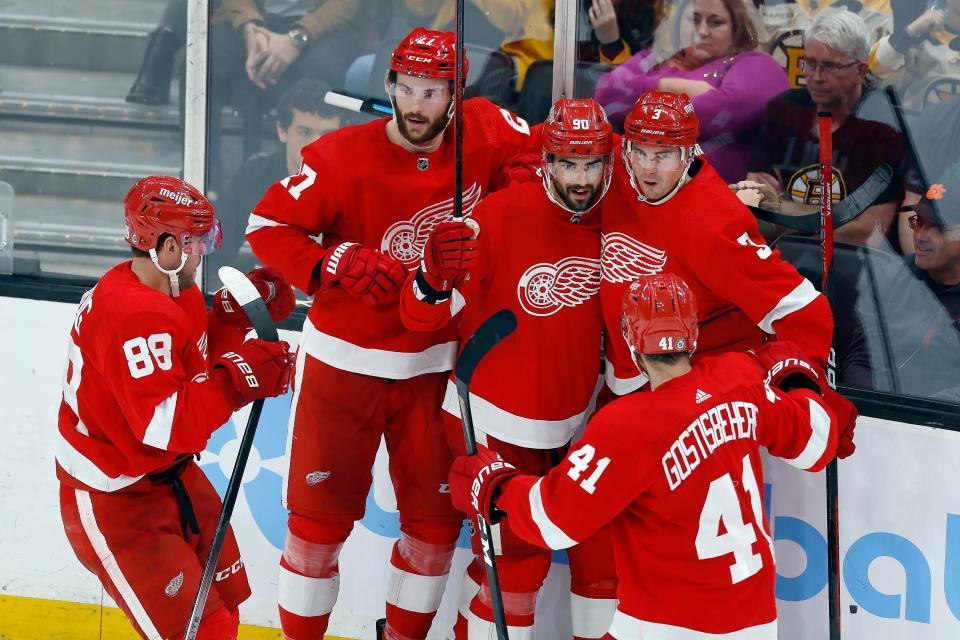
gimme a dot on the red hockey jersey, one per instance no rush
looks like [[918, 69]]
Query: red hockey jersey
[[135, 392], [677, 475], [355, 185], [707, 236], [533, 390]]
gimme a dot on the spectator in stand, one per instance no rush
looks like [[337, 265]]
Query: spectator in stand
[[302, 117], [152, 85], [922, 55], [837, 45], [618, 29], [720, 68], [916, 349]]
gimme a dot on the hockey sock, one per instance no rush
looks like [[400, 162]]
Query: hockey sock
[[418, 576]]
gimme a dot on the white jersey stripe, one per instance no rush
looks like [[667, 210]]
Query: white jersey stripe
[[623, 386], [551, 533], [161, 424], [255, 223], [84, 470], [626, 627], [307, 597], [819, 436], [508, 427], [89, 521], [804, 294]]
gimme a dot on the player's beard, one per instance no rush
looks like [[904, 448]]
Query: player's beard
[[575, 205], [433, 129]]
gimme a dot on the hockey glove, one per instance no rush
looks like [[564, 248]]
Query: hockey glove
[[273, 288], [525, 167], [789, 368], [475, 480], [257, 369], [450, 252], [365, 274], [846, 413]]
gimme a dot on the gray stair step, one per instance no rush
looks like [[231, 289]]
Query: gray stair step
[[108, 35], [79, 95]]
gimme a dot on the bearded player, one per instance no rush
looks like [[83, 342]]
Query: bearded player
[[374, 191]]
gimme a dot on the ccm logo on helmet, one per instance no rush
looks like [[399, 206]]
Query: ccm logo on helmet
[[245, 369], [179, 198], [789, 362], [419, 58]]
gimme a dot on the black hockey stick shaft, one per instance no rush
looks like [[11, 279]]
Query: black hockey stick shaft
[[891, 93], [845, 211], [458, 115], [253, 306], [833, 502], [488, 335]]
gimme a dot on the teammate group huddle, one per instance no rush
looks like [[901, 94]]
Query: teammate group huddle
[[581, 234]]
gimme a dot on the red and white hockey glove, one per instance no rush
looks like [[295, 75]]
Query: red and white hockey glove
[[273, 288], [474, 481], [368, 275], [257, 369], [788, 368], [450, 252], [525, 167]]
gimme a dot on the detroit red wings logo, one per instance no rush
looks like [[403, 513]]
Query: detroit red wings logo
[[624, 259], [545, 288], [404, 240]]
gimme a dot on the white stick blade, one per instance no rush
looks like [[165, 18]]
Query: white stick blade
[[238, 285]]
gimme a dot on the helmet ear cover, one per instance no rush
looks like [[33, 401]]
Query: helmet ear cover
[[660, 315]]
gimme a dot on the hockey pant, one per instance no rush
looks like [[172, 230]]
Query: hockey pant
[[337, 421], [522, 567], [142, 543]]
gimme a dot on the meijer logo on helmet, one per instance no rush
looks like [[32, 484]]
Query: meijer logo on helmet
[[179, 198]]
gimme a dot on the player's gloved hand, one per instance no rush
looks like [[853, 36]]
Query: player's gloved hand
[[846, 413], [366, 274], [273, 288], [525, 167], [257, 369], [474, 481], [450, 252], [789, 368]]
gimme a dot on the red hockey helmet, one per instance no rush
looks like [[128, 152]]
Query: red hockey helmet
[[428, 54], [660, 315], [577, 127], [163, 204], [662, 118]]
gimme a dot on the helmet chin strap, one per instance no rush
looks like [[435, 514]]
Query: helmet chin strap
[[171, 273]]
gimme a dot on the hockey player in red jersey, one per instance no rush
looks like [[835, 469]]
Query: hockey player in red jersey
[[141, 398], [676, 473], [668, 210], [374, 192], [538, 254]]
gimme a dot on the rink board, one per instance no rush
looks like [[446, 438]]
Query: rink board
[[900, 522]]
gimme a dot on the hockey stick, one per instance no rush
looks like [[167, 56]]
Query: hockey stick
[[373, 106], [488, 335], [248, 297], [845, 211], [458, 116], [826, 235]]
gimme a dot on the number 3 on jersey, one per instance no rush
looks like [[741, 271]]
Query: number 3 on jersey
[[722, 506]]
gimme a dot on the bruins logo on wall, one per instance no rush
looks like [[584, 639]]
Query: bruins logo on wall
[[804, 185]]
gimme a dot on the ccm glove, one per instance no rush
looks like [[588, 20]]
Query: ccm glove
[[474, 481], [273, 288], [257, 369], [368, 275]]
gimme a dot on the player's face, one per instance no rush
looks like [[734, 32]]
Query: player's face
[[656, 169], [832, 78], [937, 252], [578, 180], [422, 106], [304, 128], [706, 31]]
